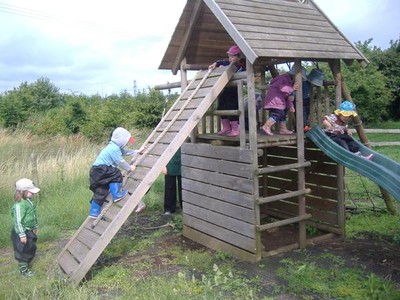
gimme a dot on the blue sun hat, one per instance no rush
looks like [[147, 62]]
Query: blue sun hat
[[346, 109]]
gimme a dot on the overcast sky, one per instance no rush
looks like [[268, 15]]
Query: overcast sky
[[103, 47]]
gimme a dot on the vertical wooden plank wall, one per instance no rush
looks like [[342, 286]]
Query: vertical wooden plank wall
[[218, 200]]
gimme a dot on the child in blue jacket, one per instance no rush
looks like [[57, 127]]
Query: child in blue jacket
[[105, 176]]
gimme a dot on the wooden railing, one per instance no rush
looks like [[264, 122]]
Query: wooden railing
[[390, 131]]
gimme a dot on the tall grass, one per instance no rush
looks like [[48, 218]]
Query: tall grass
[[59, 166]]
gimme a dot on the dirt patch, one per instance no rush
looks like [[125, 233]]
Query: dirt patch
[[375, 256]]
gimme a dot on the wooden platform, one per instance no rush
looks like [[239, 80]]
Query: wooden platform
[[262, 140]]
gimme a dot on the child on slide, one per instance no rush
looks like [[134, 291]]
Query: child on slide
[[336, 127]]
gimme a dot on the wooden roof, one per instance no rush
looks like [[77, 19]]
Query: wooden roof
[[265, 30]]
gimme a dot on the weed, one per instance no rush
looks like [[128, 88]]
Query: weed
[[178, 222], [197, 260], [333, 281], [118, 247], [222, 255]]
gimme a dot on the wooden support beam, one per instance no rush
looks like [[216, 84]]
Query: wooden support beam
[[274, 169], [283, 196], [178, 63], [283, 222], [225, 113]]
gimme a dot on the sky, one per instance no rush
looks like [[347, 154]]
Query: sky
[[106, 47]]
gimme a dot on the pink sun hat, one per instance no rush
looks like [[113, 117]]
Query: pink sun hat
[[234, 50]]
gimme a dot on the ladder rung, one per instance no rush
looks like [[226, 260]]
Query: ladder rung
[[283, 196], [282, 168], [283, 222], [225, 113]]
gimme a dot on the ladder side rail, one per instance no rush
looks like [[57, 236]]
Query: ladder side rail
[[149, 179], [160, 136], [169, 111]]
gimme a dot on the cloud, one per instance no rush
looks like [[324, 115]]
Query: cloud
[[360, 20], [103, 47]]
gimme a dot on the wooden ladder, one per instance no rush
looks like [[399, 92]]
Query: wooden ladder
[[90, 240]]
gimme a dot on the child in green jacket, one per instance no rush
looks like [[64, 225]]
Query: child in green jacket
[[25, 227]]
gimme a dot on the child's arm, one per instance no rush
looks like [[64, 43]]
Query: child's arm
[[326, 124], [124, 165], [129, 152], [18, 227]]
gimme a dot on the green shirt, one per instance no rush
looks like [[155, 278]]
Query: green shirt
[[24, 218], [174, 165]]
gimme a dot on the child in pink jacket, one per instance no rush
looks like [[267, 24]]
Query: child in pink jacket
[[278, 100]]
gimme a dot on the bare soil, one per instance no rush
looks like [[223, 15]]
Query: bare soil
[[380, 257]]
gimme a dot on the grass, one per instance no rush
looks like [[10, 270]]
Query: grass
[[333, 281], [62, 174]]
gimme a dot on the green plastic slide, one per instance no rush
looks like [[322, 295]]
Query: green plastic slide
[[382, 170]]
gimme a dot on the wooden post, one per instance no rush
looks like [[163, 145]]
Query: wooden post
[[242, 130], [35, 173], [301, 182], [335, 67], [251, 108], [327, 101], [311, 117], [263, 93]]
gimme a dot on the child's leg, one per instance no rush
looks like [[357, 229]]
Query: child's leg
[[338, 140], [273, 117], [170, 194], [116, 194], [179, 178], [282, 123], [95, 209], [24, 253]]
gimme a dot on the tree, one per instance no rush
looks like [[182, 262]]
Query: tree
[[389, 64], [368, 85], [18, 104]]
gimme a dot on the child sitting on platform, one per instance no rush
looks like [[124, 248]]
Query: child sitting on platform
[[336, 127]]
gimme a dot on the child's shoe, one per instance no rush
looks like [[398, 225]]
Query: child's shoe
[[369, 157], [267, 126], [226, 127], [115, 193], [141, 206], [234, 129], [28, 273], [283, 129], [24, 269], [95, 209]]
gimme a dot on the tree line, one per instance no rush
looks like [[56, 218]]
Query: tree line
[[41, 108]]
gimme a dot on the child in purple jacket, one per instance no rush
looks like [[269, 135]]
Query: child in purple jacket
[[278, 100]]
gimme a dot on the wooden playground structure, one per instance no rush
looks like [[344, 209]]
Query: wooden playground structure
[[251, 195]]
